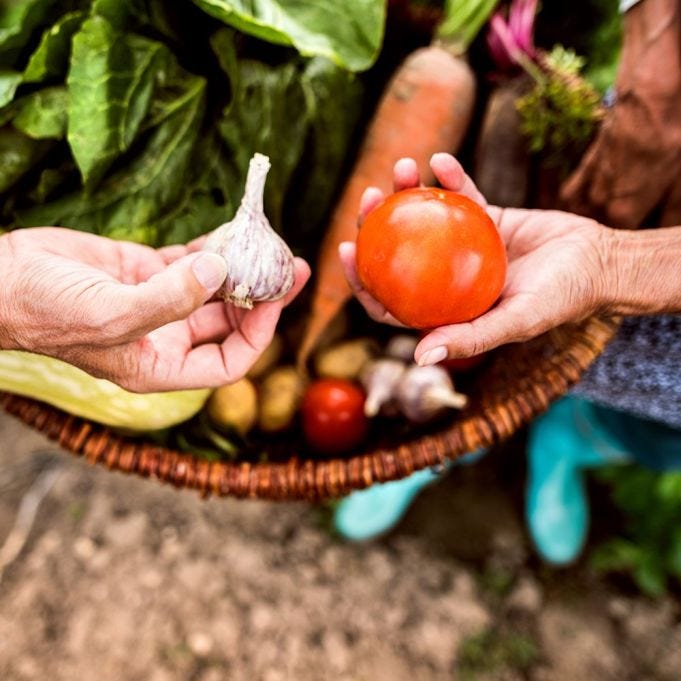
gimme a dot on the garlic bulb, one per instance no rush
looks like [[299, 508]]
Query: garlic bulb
[[424, 392], [380, 378], [259, 263]]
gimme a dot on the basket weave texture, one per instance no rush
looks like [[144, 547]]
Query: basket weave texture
[[520, 383]]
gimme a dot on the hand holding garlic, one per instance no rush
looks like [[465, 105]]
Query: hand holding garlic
[[139, 317]]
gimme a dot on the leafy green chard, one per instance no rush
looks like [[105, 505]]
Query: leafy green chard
[[19, 19], [51, 58], [136, 118], [111, 83], [43, 114], [347, 33]]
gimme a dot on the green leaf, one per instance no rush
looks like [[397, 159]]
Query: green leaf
[[292, 116], [674, 558], [18, 20], [204, 202], [669, 488], [616, 555], [122, 14], [650, 575], [348, 33], [49, 181], [142, 15], [51, 58], [9, 82], [111, 83], [18, 154], [331, 130], [268, 114], [140, 194], [42, 115], [222, 44], [462, 21], [7, 113]]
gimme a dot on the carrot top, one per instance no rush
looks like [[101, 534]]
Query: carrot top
[[462, 21]]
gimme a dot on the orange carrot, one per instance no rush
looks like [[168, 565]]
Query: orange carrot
[[426, 108]]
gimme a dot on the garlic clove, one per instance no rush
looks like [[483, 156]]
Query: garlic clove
[[260, 266], [380, 378], [440, 396], [424, 392], [402, 347]]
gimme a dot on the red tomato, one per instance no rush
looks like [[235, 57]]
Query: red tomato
[[431, 257], [333, 415]]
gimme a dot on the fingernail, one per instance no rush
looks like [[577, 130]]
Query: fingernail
[[210, 270], [433, 356]]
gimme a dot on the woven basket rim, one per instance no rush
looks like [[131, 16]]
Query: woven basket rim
[[328, 478]]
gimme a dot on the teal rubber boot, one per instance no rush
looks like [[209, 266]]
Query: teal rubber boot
[[372, 512], [561, 444]]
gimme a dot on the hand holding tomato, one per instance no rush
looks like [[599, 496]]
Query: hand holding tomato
[[431, 257], [556, 271]]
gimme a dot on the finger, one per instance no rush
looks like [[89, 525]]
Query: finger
[[347, 252], [512, 321], [370, 199], [176, 251], [214, 364], [209, 324], [170, 295], [451, 175], [301, 277], [197, 244], [169, 254], [405, 174]]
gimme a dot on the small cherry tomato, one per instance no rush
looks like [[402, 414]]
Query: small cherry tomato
[[333, 415], [431, 257]]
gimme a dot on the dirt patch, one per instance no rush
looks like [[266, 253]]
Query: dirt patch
[[124, 579]]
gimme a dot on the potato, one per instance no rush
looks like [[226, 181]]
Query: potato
[[280, 395], [345, 360], [234, 406]]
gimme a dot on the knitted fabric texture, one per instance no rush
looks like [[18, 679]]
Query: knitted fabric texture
[[640, 370]]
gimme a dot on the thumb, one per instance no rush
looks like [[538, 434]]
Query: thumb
[[510, 322], [170, 295]]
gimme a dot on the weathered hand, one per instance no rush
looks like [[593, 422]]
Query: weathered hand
[[556, 270], [139, 317]]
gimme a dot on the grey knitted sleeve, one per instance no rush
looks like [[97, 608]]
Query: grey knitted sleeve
[[640, 370]]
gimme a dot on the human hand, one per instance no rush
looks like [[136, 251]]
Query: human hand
[[556, 271], [634, 165], [136, 316]]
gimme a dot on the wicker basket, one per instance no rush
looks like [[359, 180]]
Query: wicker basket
[[520, 383]]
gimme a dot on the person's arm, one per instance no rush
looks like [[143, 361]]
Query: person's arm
[[644, 270]]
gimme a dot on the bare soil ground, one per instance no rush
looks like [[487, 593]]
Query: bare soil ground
[[126, 580]]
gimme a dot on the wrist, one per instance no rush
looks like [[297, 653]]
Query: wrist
[[643, 271]]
